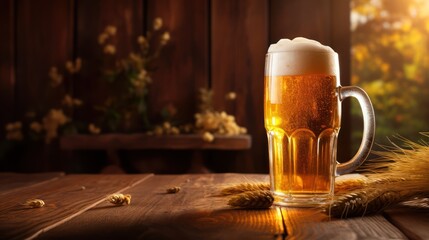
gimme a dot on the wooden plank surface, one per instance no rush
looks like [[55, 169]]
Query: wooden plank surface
[[64, 198], [15, 181], [144, 141], [192, 213], [414, 222], [195, 212], [314, 224]]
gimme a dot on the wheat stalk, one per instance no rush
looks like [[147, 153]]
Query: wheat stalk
[[371, 200], [398, 175]]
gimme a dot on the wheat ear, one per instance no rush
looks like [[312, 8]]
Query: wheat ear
[[252, 199], [398, 175], [244, 187], [365, 202]]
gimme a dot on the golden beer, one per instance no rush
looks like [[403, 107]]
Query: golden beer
[[302, 119]]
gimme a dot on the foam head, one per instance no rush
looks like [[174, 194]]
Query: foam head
[[301, 56]]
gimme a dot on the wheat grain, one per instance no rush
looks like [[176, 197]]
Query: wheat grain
[[119, 199], [35, 203], [173, 190]]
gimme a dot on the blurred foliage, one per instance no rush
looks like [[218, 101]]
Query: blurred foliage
[[390, 60], [126, 108]]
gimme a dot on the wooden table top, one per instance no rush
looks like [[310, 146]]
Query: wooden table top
[[76, 208]]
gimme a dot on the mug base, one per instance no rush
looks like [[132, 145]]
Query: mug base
[[302, 200]]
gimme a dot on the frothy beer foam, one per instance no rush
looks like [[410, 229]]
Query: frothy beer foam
[[301, 56]]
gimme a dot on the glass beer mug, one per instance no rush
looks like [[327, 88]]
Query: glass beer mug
[[302, 115]]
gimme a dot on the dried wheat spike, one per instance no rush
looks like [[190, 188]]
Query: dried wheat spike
[[366, 202], [399, 174], [349, 182], [245, 187], [173, 190], [119, 199], [253, 199], [35, 203]]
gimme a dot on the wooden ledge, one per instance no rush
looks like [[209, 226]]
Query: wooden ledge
[[144, 141]]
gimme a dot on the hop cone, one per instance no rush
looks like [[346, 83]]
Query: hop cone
[[253, 199]]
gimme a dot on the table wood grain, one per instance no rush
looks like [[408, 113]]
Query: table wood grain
[[13, 181], [76, 209], [414, 222]]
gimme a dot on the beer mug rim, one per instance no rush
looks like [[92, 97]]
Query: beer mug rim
[[302, 62], [299, 44], [302, 51]]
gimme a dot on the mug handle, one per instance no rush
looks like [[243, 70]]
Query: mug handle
[[368, 128]]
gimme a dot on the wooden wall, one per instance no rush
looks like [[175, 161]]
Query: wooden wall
[[215, 43]]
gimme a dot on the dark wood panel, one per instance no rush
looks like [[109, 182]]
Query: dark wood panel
[[192, 213], [300, 18], [340, 42], [92, 18], [212, 41], [340, 36], [44, 38], [64, 199], [7, 61], [239, 38], [183, 66]]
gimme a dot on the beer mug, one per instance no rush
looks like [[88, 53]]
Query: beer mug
[[302, 115]]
